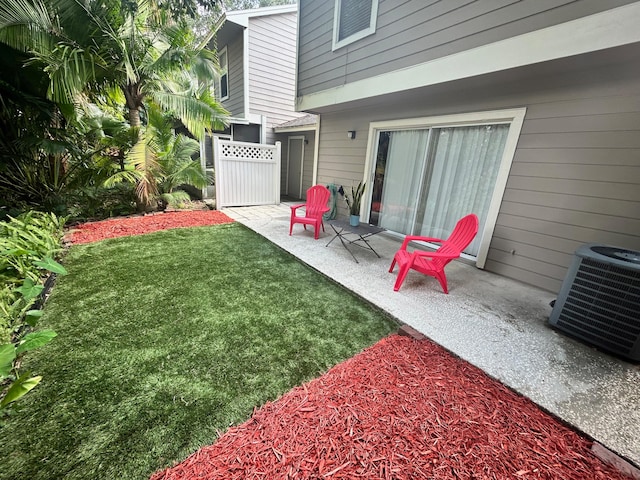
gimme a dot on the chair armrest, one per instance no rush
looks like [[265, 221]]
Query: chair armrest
[[295, 207], [422, 253], [411, 238]]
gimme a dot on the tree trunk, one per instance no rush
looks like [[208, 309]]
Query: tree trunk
[[133, 99], [134, 117]]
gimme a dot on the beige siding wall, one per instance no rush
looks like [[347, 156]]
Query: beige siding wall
[[235, 103], [575, 177], [416, 31], [272, 59]]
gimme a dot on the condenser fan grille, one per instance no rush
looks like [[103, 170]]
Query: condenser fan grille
[[600, 303]]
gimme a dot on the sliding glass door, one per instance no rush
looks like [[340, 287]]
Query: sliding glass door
[[426, 179]]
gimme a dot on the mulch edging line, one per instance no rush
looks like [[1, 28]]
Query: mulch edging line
[[402, 409], [126, 226]]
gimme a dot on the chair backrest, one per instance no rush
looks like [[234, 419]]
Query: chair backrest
[[317, 199], [462, 235]]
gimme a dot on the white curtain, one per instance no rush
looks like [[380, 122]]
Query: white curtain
[[434, 177], [463, 166], [401, 187]]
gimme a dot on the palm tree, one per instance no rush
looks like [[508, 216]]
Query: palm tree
[[114, 52], [130, 51], [162, 163]]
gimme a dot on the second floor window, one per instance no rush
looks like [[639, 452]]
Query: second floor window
[[223, 83], [354, 19]]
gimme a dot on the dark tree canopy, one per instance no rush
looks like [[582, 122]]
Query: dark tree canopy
[[248, 4], [190, 8]]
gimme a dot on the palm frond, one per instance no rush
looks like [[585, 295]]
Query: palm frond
[[143, 157], [23, 12], [175, 198], [128, 176], [189, 173], [195, 113], [27, 26], [70, 69]]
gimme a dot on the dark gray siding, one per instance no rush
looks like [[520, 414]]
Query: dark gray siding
[[235, 102], [411, 32], [575, 177]]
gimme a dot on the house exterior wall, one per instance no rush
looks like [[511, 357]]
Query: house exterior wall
[[272, 60], [575, 176], [414, 32], [235, 103]]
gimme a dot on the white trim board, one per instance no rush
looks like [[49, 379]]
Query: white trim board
[[225, 52], [612, 28], [370, 30], [245, 72], [241, 17], [515, 118], [301, 128]]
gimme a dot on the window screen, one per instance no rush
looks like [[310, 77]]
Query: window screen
[[355, 16], [224, 74]]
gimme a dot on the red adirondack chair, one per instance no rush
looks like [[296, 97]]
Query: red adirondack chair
[[433, 263], [316, 206]]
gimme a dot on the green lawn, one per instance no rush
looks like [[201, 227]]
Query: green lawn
[[165, 340]]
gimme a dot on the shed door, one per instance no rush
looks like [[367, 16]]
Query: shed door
[[294, 167]]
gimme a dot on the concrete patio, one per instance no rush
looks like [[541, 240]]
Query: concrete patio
[[493, 322]]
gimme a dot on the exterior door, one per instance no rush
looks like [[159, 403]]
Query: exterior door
[[294, 166]]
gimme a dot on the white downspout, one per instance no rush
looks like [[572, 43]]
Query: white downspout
[[316, 150]]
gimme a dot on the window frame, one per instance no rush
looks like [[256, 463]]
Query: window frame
[[514, 117], [358, 35], [224, 73]]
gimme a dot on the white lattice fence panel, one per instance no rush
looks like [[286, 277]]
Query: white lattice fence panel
[[246, 173], [247, 152]]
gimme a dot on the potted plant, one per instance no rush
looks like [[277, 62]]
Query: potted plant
[[353, 203]]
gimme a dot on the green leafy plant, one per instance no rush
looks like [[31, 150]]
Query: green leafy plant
[[128, 56], [27, 246], [27, 239], [13, 384], [160, 163], [18, 385], [354, 201], [98, 202]]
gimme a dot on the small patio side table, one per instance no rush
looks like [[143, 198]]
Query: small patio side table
[[362, 232]]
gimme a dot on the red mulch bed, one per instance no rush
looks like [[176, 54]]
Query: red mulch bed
[[123, 227], [402, 409]]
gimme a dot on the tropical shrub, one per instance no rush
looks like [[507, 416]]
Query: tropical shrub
[[129, 56], [28, 244], [27, 239], [161, 163], [99, 202]]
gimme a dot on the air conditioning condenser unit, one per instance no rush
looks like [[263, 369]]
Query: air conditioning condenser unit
[[599, 301]]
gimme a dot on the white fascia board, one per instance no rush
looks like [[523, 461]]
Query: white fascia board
[[300, 128], [612, 28], [241, 17], [241, 120]]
